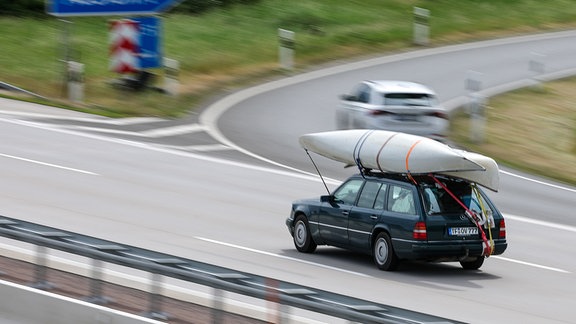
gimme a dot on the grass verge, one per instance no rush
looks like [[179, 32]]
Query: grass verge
[[531, 129], [238, 46]]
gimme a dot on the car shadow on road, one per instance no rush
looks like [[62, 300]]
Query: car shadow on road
[[445, 276]]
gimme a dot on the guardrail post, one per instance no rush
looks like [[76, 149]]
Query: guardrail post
[[96, 282], [273, 301], [155, 299], [218, 306], [41, 269]]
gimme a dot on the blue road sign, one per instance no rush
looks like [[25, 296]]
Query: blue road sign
[[150, 49], [107, 7]]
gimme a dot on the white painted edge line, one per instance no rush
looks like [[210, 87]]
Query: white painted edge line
[[71, 300], [153, 133], [98, 119], [296, 174], [173, 130], [541, 223], [47, 164], [530, 264], [201, 148], [279, 256], [538, 181]]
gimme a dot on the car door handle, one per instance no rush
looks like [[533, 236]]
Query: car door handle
[[374, 216], [345, 213]]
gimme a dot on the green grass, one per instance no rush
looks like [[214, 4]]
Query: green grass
[[532, 129], [238, 46]]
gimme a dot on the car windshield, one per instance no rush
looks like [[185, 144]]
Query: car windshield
[[438, 201], [409, 99]]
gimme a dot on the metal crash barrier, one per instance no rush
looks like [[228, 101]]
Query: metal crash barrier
[[220, 279]]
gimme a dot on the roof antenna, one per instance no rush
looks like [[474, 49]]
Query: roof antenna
[[318, 171]]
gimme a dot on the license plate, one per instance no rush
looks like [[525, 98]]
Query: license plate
[[406, 117], [463, 231]]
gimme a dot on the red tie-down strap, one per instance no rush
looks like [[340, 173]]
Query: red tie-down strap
[[486, 247]]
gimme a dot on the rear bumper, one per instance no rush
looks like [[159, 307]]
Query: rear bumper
[[431, 250]]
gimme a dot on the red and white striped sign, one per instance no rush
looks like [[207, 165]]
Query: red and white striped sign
[[124, 38]]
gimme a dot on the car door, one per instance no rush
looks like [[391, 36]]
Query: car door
[[333, 216], [356, 105], [366, 214], [401, 213]]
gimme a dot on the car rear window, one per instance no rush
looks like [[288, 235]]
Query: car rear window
[[438, 201], [409, 99]]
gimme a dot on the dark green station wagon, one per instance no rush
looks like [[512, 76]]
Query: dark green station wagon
[[394, 218]]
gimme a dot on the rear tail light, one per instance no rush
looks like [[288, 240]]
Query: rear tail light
[[419, 232], [439, 114], [379, 113], [502, 233]]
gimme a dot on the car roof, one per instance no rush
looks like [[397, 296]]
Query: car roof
[[401, 177], [382, 175], [394, 86]]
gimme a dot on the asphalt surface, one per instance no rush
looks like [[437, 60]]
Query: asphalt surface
[[532, 282]]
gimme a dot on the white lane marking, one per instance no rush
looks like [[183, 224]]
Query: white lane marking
[[153, 133], [530, 264], [541, 223], [201, 148], [89, 118], [298, 174], [173, 130], [280, 256], [538, 181], [47, 164]]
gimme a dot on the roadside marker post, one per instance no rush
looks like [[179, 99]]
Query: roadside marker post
[[287, 44], [75, 81], [171, 71], [421, 26]]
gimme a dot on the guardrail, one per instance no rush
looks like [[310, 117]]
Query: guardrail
[[219, 278]]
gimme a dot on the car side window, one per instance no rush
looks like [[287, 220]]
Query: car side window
[[381, 197], [401, 200], [363, 93], [368, 195], [346, 193]]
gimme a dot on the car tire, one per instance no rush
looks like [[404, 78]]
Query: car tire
[[302, 238], [473, 265], [383, 253]]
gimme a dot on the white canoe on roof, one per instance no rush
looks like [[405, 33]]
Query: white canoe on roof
[[402, 153], [489, 178]]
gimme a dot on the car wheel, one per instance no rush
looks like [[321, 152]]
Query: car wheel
[[302, 238], [473, 265], [383, 253]]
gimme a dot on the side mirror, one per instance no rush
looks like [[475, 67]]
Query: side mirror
[[348, 97], [327, 198]]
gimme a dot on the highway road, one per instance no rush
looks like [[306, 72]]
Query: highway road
[[220, 194]]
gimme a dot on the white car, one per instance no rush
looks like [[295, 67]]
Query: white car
[[398, 106]]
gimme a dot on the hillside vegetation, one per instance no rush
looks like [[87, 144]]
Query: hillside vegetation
[[237, 45]]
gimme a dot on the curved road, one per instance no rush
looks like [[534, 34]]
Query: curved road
[[231, 213], [305, 104]]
